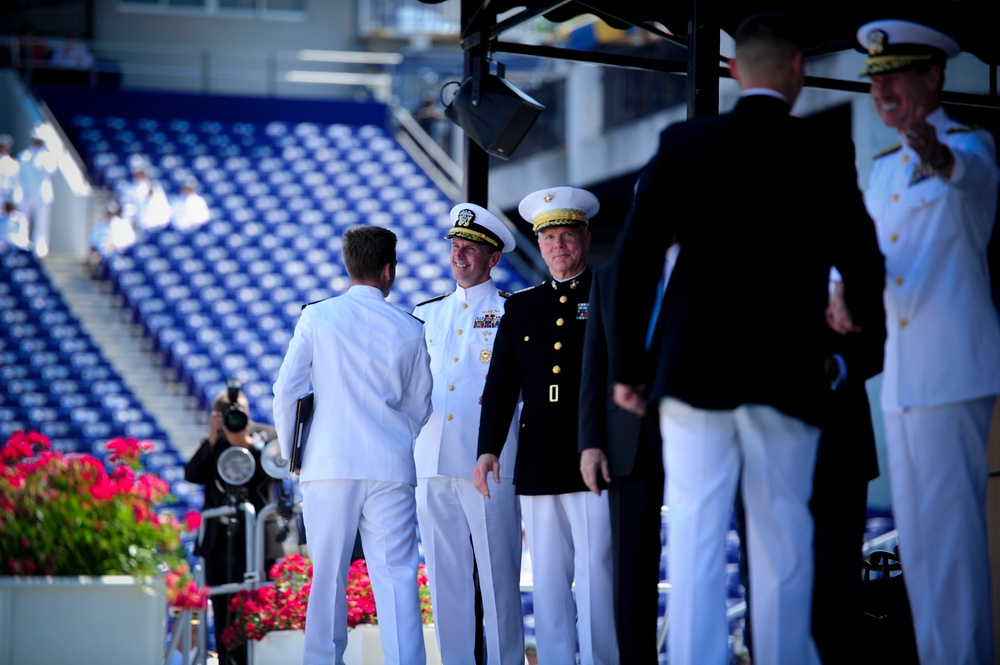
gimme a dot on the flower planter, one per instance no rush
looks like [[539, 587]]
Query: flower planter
[[280, 647], [365, 648], [81, 620]]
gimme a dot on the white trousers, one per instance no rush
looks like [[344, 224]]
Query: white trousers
[[570, 534], [938, 474], [450, 511], [705, 452], [385, 513], [40, 214]]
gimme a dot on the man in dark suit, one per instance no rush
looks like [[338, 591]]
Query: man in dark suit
[[622, 451], [762, 207], [847, 461]]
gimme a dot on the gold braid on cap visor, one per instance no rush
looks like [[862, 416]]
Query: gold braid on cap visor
[[474, 236], [558, 216], [887, 63]]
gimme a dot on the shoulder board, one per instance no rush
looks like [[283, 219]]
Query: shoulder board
[[503, 294], [528, 288], [435, 299], [888, 151], [964, 129], [314, 302]]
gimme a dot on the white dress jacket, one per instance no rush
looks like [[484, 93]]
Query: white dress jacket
[[943, 342], [460, 329], [367, 364]]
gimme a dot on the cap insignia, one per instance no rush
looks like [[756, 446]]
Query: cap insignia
[[548, 197], [876, 42], [465, 217]]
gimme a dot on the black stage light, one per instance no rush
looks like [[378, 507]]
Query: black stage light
[[493, 113]]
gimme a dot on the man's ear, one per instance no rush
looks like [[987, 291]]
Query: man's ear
[[734, 69], [494, 259], [933, 78], [796, 65]]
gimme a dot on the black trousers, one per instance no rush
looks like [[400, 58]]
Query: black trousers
[[635, 503]]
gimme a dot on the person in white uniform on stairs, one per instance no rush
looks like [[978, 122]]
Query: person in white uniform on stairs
[[37, 164]]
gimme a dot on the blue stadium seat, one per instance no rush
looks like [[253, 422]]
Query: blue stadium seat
[[285, 193], [76, 399]]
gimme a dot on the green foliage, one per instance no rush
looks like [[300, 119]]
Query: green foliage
[[69, 514]]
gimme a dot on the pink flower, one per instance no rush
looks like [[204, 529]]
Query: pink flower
[[67, 514], [183, 592], [103, 489], [192, 519], [127, 449]]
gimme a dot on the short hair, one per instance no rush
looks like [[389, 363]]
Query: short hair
[[767, 36], [367, 249]]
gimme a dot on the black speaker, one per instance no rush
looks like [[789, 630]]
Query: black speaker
[[494, 114]]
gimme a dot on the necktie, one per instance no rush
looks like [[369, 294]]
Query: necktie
[[655, 313]]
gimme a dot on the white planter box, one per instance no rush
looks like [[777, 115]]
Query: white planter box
[[81, 620], [365, 648], [280, 647]]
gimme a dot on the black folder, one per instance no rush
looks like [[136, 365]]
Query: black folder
[[300, 436]]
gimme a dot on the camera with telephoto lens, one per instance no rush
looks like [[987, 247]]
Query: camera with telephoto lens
[[235, 418]]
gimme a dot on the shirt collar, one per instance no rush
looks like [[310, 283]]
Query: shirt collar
[[474, 292], [365, 291], [766, 92], [576, 276]]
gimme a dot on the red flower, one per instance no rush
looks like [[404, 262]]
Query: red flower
[[103, 489], [192, 519], [127, 449], [282, 605], [183, 592], [71, 514]]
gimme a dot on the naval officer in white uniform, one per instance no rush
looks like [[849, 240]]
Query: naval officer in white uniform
[[460, 329], [367, 363], [933, 199]]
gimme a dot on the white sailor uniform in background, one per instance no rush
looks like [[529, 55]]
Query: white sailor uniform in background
[[460, 330], [941, 377], [36, 167], [942, 355]]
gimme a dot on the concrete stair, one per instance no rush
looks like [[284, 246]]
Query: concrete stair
[[106, 321]]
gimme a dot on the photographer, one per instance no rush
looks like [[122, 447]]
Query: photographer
[[224, 543]]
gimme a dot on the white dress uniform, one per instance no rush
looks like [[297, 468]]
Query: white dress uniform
[[36, 166], [8, 171], [368, 366], [190, 211], [460, 330], [941, 378]]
